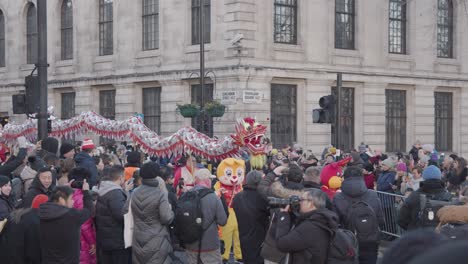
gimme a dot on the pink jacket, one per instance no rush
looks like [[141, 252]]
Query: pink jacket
[[88, 232]]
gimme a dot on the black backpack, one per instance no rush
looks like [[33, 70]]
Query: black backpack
[[455, 231], [189, 217], [361, 219], [344, 247], [428, 211]]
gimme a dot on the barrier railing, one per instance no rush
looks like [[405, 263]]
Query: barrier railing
[[391, 204]]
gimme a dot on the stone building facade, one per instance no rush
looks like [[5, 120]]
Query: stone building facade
[[404, 65]]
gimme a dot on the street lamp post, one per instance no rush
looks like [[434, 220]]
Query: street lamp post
[[42, 67]]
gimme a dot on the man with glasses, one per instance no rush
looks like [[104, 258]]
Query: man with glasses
[[308, 237]]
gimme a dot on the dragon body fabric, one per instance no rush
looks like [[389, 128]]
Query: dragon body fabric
[[231, 175], [248, 136]]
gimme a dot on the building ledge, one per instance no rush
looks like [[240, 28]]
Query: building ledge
[[148, 54], [196, 48], [447, 65]]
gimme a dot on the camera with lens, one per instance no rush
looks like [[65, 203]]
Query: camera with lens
[[293, 201]]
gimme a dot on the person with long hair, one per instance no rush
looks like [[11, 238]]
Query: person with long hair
[[457, 174]]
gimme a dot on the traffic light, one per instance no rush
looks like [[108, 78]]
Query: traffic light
[[4, 120], [326, 113], [32, 94], [19, 103]]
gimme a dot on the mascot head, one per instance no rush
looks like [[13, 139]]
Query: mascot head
[[330, 177], [231, 172]]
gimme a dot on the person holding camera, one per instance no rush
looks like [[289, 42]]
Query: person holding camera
[[306, 240]]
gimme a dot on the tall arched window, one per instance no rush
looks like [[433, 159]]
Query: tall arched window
[[31, 35], [106, 27], [2, 39], [150, 24], [66, 27], [344, 24], [397, 26], [445, 29]]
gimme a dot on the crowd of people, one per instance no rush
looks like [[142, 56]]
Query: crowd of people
[[82, 203]]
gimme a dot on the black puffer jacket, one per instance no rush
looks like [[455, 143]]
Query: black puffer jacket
[[13, 163], [433, 189], [109, 216], [308, 241], [252, 218], [354, 189], [6, 205], [35, 189]]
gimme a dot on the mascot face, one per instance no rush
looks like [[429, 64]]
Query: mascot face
[[231, 172]]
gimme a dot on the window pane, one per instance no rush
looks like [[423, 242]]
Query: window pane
[[203, 123], [107, 104], [344, 24], [395, 120], [443, 121], [106, 35], [152, 108], [397, 26], [68, 105], [283, 114], [150, 24], [347, 119], [445, 29], [31, 35], [2, 39], [67, 30], [196, 22], [285, 21]]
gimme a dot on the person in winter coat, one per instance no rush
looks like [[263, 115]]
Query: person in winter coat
[[353, 190], [152, 214], [252, 218], [214, 214], [14, 162], [42, 184], [433, 188], [60, 225], [7, 202], [67, 151], [109, 216], [77, 177], [133, 163], [454, 218], [457, 174], [369, 176], [20, 242], [312, 178], [414, 152], [309, 241], [84, 160]]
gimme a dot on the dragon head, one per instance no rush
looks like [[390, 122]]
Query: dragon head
[[249, 134]]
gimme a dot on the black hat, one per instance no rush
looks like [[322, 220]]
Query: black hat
[[4, 180], [65, 148], [149, 170], [78, 175], [133, 158], [50, 144]]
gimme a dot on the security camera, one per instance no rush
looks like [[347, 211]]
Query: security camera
[[235, 41]]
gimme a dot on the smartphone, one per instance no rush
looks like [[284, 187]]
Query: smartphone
[[130, 181]]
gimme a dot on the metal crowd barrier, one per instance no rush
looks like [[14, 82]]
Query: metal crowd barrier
[[391, 204]]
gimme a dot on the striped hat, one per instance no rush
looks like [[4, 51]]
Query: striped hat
[[87, 144]]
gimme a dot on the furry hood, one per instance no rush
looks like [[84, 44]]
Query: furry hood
[[280, 191], [453, 214]]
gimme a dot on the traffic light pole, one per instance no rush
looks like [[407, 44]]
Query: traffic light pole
[[339, 83], [42, 68]]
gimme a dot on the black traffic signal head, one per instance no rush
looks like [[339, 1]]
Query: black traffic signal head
[[4, 120], [325, 114], [327, 102], [32, 94]]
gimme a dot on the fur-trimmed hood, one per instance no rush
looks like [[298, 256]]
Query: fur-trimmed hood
[[453, 214], [280, 191]]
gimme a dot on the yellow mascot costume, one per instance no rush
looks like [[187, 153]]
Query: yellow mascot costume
[[231, 174]]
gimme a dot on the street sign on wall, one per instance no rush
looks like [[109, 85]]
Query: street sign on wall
[[228, 97], [252, 97]]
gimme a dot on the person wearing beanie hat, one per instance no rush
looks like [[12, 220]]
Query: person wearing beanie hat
[[133, 163], [433, 188], [22, 229], [49, 145], [84, 160], [354, 189], [151, 228], [6, 199], [386, 181], [252, 218], [67, 150]]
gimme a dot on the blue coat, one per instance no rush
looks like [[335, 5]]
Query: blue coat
[[385, 181], [84, 160]]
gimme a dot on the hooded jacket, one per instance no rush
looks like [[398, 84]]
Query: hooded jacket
[[309, 240], [20, 242], [453, 214], [385, 181], [6, 205], [12, 164], [88, 232], [35, 189], [353, 190], [252, 218], [152, 214], [109, 216], [84, 160], [433, 189], [60, 231]]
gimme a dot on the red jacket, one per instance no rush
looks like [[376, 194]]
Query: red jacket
[[88, 232]]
